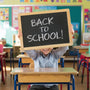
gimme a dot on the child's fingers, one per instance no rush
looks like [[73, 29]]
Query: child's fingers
[[71, 29], [19, 33]]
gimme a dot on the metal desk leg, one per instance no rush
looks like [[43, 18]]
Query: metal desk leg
[[10, 61], [62, 62], [74, 62], [78, 56], [73, 82], [62, 65], [19, 86], [19, 62], [11, 57], [83, 72], [68, 86], [87, 75], [15, 81], [5, 66], [3, 79]]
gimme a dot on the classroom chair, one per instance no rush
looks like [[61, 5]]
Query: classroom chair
[[85, 62], [75, 54], [2, 62], [82, 58]]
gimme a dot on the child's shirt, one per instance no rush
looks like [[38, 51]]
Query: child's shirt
[[49, 61]]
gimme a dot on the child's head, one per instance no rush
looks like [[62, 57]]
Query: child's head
[[46, 51]]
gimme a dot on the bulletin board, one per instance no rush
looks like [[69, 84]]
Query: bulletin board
[[5, 21], [16, 10]]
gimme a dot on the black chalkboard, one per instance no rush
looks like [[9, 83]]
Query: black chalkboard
[[45, 29]]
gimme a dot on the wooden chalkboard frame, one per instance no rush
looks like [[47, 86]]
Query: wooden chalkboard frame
[[46, 46]]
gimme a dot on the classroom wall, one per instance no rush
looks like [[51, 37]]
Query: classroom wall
[[75, 14], [11, 31]]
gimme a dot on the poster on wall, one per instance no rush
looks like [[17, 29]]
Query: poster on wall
[[86, 38], [3, 27], [4, 13], [43, 8], [87, 16], [87, 28], [77, 1], [47, 1], [16, 11]]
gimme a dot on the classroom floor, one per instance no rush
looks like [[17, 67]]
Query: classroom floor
[[9, 85]]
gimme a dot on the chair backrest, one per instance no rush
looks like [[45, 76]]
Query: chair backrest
[[1, 48]]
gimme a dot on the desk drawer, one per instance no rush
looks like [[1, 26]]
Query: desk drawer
[[27, 78], [27, 60]]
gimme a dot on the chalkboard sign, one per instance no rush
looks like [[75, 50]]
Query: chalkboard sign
[[45, 29]]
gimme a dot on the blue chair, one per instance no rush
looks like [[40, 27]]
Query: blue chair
[[75, 54]]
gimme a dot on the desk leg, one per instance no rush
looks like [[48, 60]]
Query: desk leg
[[74, 62], [78, 56], [15, 81], [19, 62], [83, 72], [62, 62], [73, 82], [87, 75], [10, 62], [2, 70], [19, 86], [5, 66], [68, 86]]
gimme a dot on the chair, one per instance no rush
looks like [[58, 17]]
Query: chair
[[75, 54], [85, 61], [2, 60]]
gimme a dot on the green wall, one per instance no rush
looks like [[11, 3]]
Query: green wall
[[75, 13]]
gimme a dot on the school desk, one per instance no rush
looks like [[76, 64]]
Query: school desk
[[24, 59], [81, 49], [87, 61], [2, 59], [9, 50], [44, 76]]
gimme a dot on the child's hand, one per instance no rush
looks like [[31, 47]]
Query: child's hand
[[19, 33], [71, 29]]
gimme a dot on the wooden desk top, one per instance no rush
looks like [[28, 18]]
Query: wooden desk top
[[43, 71], [86, 55], [26, 56], [79, 47], [23, 56]]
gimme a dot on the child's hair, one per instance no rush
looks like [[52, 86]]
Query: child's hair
[[55, 48]]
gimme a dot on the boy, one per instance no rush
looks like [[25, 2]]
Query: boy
[[46, 58]]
